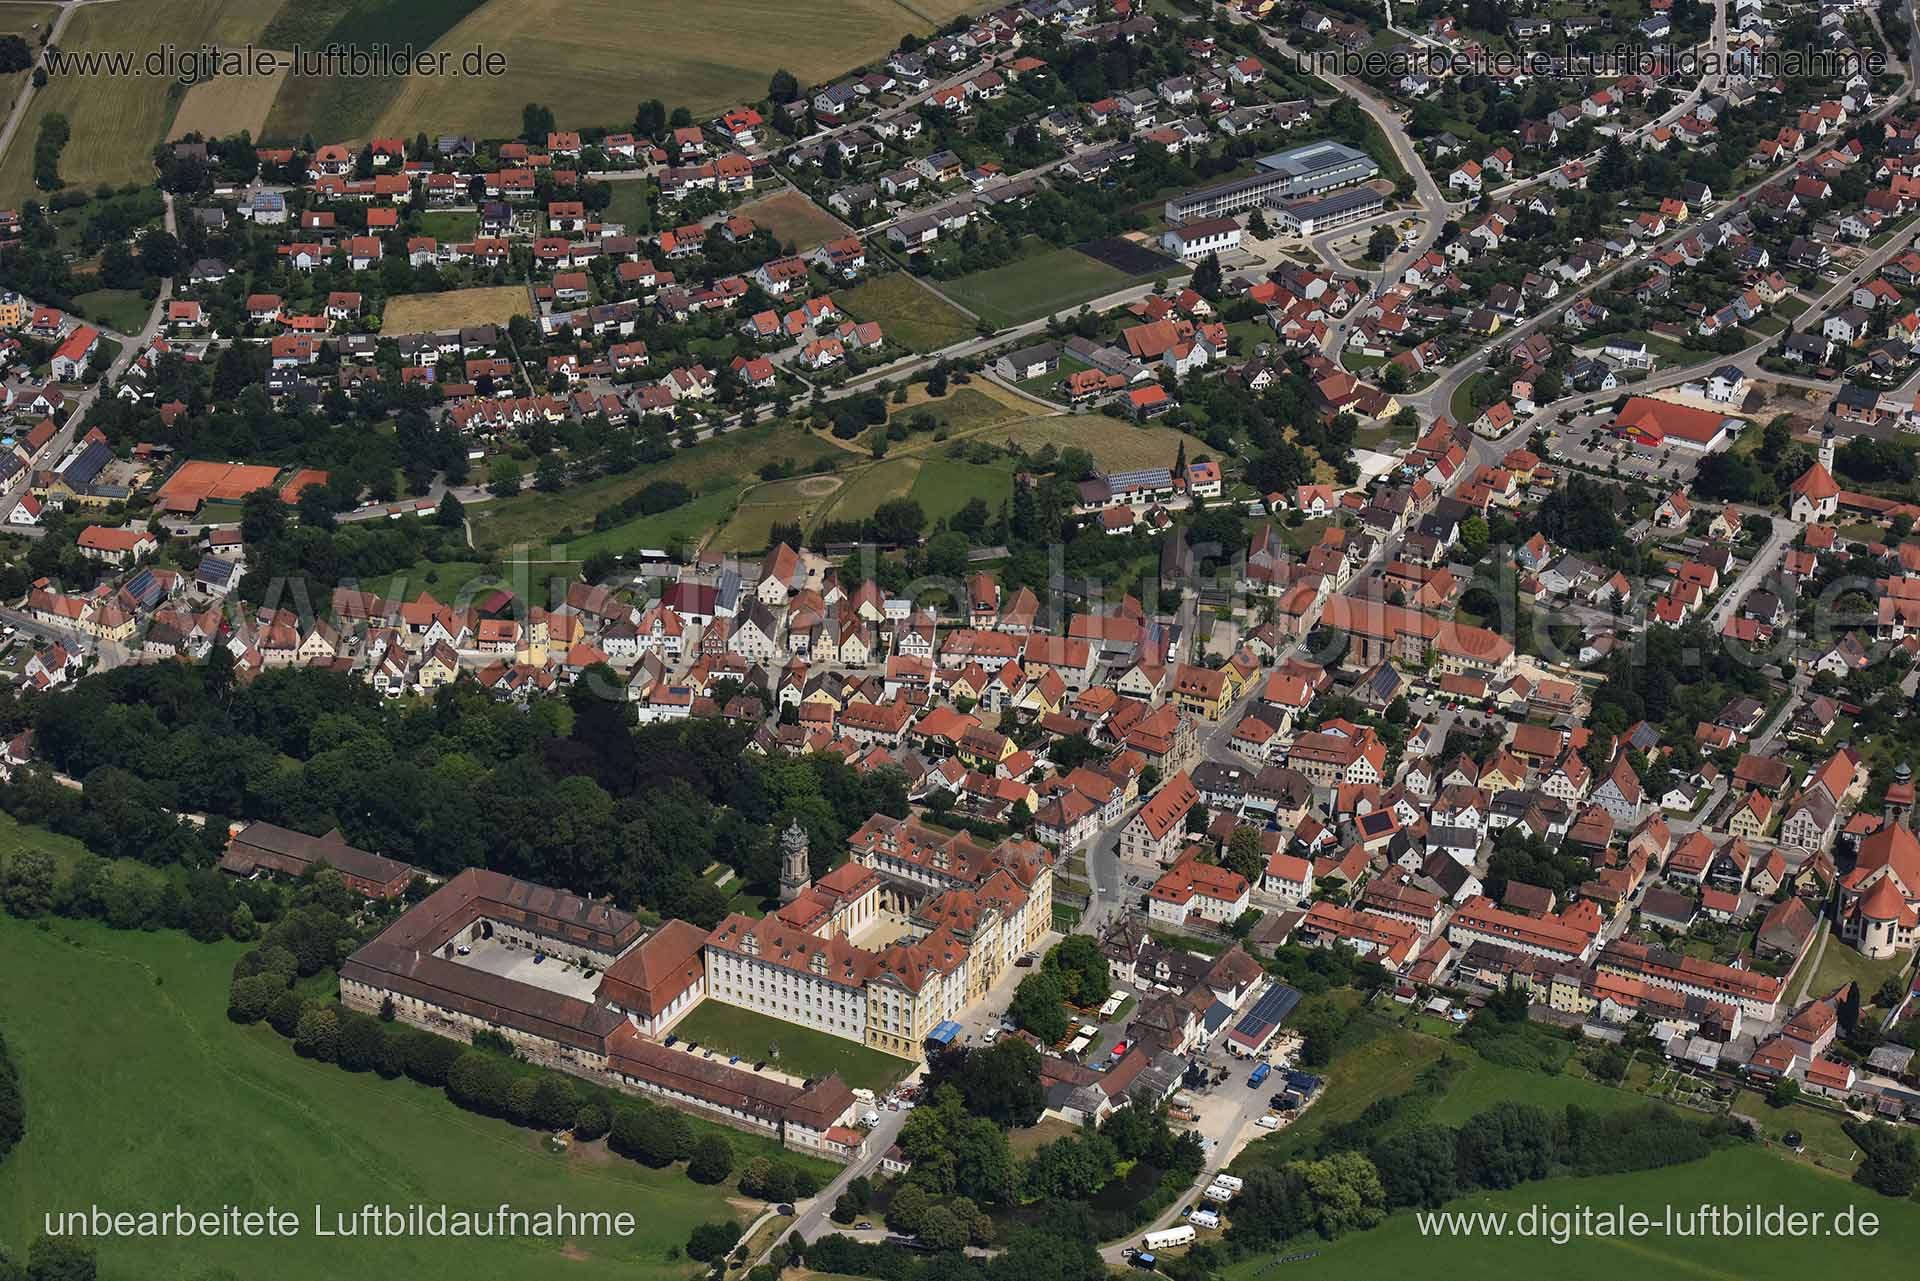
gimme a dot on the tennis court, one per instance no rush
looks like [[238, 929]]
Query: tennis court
[[198, 482]]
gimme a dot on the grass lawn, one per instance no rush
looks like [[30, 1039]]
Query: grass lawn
[[449, 224], [794, 501], [791, 217], [1027, 1139], [1826, 1143], [1040, 284], [1482, 1084], [1048, 386], [1374, 1060], [16, 836], [1461, 407], [1840, 963], [123, 309], [1738, 1175], [484, 305], [909, 313], [579, 57], [962, 409], [180, 1106], [628, 206], [1666, 349], [864, 493], [117, 119], [1115, 443], [803, 1051], [724, 463], [945, 485], [691, 522], [443, 579]]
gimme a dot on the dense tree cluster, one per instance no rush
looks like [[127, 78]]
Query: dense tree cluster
[[1891, 1165], [1674, 678], [594, 805], [128, 895], [13, 1107]]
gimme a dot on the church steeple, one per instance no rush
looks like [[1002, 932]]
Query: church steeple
[[795, 876], [1900, 793]]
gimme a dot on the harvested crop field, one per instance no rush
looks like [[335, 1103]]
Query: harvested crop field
[[790, 216], [590, 61], [487, 305], [336, 108], [228, 105], [117, 119]]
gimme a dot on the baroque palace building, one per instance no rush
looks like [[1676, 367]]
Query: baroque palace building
[[913, 928], [905, 935]]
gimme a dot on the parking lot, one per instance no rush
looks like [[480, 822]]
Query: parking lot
[[1586, 444]]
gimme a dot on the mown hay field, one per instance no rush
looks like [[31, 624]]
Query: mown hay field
[[116, 120], [593, 61]]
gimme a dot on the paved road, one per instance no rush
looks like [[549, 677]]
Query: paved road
[[813, 1220], [131, 345], [1764, 562], [1248, 1104], [1748, 359], [1434, 208], [1437, 399], [27, 90]]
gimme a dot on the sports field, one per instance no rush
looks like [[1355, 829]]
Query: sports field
[[791, 217], [198, 482], [1737, 1176], [117, 119], [483, 305], [798, 500], [944, 486], [910, 313], [142, 1095], [591, 61], [803, 1051], [885, 481], [1044, 283]]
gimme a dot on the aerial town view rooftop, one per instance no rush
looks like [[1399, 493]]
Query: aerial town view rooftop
[[945, 641]]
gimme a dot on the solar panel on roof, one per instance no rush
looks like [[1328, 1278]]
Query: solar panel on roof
[[1269, 1011]]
